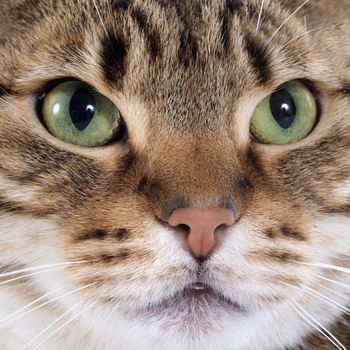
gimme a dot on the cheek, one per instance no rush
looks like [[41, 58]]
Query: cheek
[[37, 239], [309, 175], [124, 251], [262, 241], [268, 244]]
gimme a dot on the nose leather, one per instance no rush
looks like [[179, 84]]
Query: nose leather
[[202, 223]]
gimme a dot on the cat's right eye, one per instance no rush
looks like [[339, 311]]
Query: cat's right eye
[[76, 113]]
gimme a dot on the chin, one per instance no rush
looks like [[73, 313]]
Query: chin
[[195, 318], [196, 310]]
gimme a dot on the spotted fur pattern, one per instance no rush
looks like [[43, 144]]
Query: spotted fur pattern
[[186, 76]]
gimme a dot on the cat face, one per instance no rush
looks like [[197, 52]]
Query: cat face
[[186, 78]]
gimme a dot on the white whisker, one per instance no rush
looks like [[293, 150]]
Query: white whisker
[[327, 266], [39, 267], [50, 326], [340, 295], [333, 281], [44, 304], [65, 324], [310, 320], [300, 36], [94, 338], [321, 296], [100, 17], [306, 34], [328, 300], [29, 305], [259, 17], [286, 20], [28, 275]]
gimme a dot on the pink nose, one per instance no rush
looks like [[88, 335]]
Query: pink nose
[[202, 224]]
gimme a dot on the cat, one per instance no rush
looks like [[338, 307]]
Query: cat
[[174, 174]]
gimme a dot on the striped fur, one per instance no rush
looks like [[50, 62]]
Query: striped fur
[[186, 76]]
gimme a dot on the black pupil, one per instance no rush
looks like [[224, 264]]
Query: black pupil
[[82, 108], [283, 108]]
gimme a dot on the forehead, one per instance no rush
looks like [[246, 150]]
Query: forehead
[[186, 60]]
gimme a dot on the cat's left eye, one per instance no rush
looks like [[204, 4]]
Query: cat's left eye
[[76, 113], [287, 115]]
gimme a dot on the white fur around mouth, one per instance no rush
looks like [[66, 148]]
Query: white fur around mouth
[[198, 298], [193, 310]]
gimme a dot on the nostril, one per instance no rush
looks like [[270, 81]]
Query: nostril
[[184, 228], [221, 227]]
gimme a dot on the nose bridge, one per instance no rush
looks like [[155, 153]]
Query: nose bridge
[[200, 203], [184, 172], [198, 169]]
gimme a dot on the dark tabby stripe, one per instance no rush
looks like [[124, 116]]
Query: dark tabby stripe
[[254, 161], [188, 49], [44, 158], [149, 188], [342, 209], [245, 187], [345, 89], [12, 207], [126, 165], [100, 234], [107, 258], [293, 167], [286, 232], [289, 233], [259, 59], [114, 53], [120, 233], [96, 234], [230, 8], [152, 37], [188, 14], [296, 159], [283, 256], [121, 5], [4, 90]]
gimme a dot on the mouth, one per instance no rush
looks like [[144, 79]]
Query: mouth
[[197, 300]]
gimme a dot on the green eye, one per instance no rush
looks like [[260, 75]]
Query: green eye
[[76, 113], [288, 115]]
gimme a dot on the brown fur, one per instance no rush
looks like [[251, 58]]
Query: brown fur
[[186, 75]]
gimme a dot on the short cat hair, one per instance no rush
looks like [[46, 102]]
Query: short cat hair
[[89, 257]]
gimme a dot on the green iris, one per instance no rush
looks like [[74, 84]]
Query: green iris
[[76, 113], [288, 115]]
